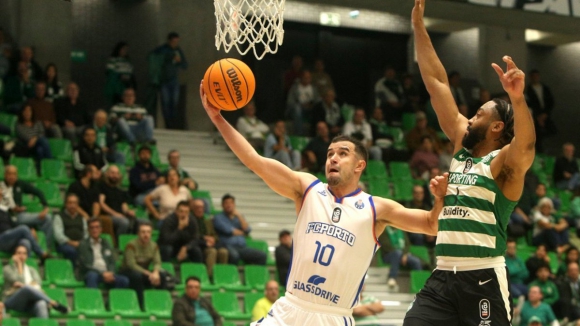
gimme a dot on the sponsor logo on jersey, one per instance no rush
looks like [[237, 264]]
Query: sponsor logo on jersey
[[468, 165], [463, 179], [336, 215], [311, 286], [484, 309], [322, 192], [332, 231], [455, 211], [359, 204]]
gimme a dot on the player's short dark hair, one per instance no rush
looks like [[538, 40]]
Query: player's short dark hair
[[283, 233], [505, 114], [172, 35], [228, 196], [192, 278], [359, 147]]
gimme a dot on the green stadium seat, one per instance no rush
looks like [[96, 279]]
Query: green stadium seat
[[256, 276], [51, 193], [380, 188], [59, 272], [549, 163], [158, 303], [400, 170], [168, 267], [117, 323], [263, 247], [420, 252], [408, 120], [61, 149], [124, 239], [1, 172], [226, 304], [376, 169], [565, 200], [403, 189], [80, 322], [55, 170], [16, 322], [10, 121], [398, 138], [124, 177], [524, 253], [227, 277], [250, 299], [299, 143], [40, 322], [125, 149], [107, 237], [152, 323], [89, 303], [142, 213], [418, 279], [26, 168], [195, 269], [554, 265], [124, 303], [59, 295]]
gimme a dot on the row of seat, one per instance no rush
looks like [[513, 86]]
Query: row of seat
[[83, 322]]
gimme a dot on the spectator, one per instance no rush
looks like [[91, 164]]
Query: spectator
[[414, 136], [139, 254], [173, 61], [193, 309], [389, 96], [13, 189], [569, 288], [293, 73], [263, 305], [134, 124], [18, 89], [571, 256], [173, 158], [279, 148], [424, 159], [54, 88], [143, 177], [105, 138], [86, 189], [72, 113], [549, 289], [566, 175], [216, 252], [301, 98], [283, 255], [179, 236], [22, 291], [44, 111], [419, 201], [328, 111], [320, 78], [232, 227], [31, 134], [380, 129], [254, 129], [518, 273], [547, 230], [167, 196], [88, 152], [411, 96], [457, 92], [395, 251], [361, 130], [70, 228], [535, 309], [97, 260], [115, 202], [367, 309], [32, 67], [120, 74], [541, 101], [539, 258], [317, 148]]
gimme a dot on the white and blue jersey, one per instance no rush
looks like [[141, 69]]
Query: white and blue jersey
[[334, 243]]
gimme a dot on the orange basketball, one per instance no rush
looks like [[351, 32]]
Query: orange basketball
[[229, 84]]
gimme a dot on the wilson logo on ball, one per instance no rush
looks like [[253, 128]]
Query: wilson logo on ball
[[235, 83]]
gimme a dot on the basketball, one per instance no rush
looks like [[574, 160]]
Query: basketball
[[229, 84]]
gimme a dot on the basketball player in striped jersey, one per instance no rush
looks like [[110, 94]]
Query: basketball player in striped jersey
[[335, 235], [493, 151]]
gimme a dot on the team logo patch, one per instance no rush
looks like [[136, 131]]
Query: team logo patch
[[468, 165], [336, 215], [359, 204], [484, 309], [316, 279]]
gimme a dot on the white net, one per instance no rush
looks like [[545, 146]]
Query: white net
[[249, 25]]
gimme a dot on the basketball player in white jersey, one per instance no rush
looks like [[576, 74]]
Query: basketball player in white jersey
[[336, 232], [493, 151]]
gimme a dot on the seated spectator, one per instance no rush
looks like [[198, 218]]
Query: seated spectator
[[167, 196], [263, 305], [232, 228], [380, 129], [173, 158], [135, 125], [535, 309], [72, 113], [367, 309], [70, 228], [301, 98], [395, 251], [566, 174], [424, 159], [572, 256], [44, 111], [252, 128], [316, 150], [320, 78], [179, 236], [192, 308], [33, 68], [547, 230], [97, 260], [105, 138], [279, 148], [31, 134], [549, 289], [539, 258], [88, 152], [283, 255], [411, 95], [216, 252], [22, 291], [389, 96], [18, 89], [13, 189], [114, 201], [143, 177], [419, 201], [415, 136], [54, 88], [139, 254], [292, 75], [569, 289], [361, 130], [518, 273], [120, 73], [328, 111], [87, 191]]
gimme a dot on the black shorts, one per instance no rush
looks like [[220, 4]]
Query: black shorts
[[472, 298]]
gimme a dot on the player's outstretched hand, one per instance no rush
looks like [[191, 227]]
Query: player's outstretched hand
[[438, 185], [418, 12], [513, 80], [211, 110]]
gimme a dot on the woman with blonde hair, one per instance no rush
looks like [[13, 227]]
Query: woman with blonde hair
[[549, 230]]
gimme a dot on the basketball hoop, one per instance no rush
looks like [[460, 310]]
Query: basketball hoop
[[249, 25]]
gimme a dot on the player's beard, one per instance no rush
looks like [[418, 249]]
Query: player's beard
[[473, 137], [334, 181]]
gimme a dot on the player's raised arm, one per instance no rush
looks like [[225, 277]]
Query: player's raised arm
[[434, 76], [277, 176]]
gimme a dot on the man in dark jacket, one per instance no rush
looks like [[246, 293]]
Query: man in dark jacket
[[88, 152], [97, 260], [71, 113], [566, 173], [192, 309], [179, 236], [105, 139], [283, 255], [143, 177]]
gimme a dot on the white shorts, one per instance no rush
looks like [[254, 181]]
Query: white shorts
[[289, 310]]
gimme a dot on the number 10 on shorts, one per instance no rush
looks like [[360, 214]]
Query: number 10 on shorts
[[323, 256]]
